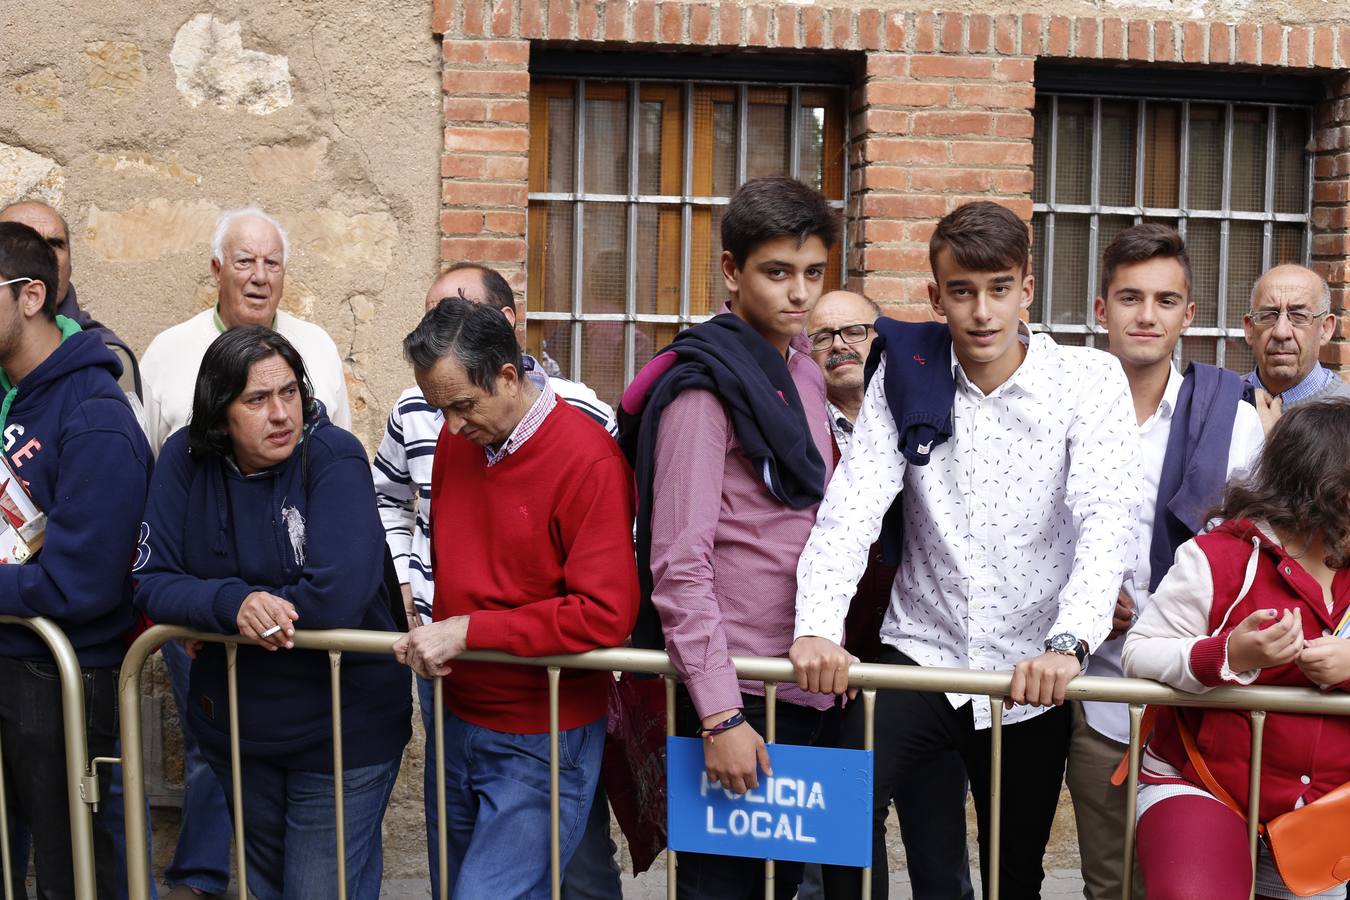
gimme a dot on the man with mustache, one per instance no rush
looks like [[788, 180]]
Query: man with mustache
[[1289, 322]]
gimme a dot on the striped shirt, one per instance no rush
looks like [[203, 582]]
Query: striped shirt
[[1320, 382], [402, 474], [526, 427]]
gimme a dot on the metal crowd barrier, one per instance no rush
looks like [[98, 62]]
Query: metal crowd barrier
[[81, 781], [868, 677]]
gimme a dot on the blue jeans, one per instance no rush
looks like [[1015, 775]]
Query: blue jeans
[[497, 805], [290, 827], [202, 858], [591, 875]]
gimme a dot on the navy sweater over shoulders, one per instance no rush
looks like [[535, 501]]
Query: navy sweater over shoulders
[[213, 535]]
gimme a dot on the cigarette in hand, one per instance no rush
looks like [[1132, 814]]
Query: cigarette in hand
[[271, 631]]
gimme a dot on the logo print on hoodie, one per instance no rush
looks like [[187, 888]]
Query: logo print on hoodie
[[295, 529]]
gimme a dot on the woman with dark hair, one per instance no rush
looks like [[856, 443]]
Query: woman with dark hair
[[261, 519], [1261, 598]]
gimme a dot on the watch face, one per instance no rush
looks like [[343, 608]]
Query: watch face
[[1063, 643]]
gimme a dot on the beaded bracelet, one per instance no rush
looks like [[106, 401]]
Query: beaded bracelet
[[710, 733]]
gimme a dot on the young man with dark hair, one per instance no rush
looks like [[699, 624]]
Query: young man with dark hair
[[70, 436], [1014, 528], [728, 431], [1195, 433]]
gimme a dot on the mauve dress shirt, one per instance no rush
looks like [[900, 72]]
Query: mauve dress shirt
[[724, 552]]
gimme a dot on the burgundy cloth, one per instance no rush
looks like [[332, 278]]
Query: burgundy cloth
[[1193, 848], [1295, 745], [634, 769]]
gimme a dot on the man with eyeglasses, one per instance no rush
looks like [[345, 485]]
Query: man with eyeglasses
[[932, 822], [1289, 322]]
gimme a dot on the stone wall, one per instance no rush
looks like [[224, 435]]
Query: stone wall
[[141, 123]]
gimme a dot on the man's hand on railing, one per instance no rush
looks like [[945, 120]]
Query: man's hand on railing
[[821, 665], [1123, 617], [734, 757], [266, 620], [1041, 680], [427, 649]]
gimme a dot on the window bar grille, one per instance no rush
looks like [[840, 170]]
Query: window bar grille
[[631, 244], [1268, 227], [578, 230], [1094, 222], [795, 132], [742, 131], [1307, 193], [1048, 263], [686, 209], [1225, 229]]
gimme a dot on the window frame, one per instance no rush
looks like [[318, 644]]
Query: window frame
[[686, 200], [1225, 215]]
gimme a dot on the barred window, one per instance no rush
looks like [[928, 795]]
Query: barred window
[[1234, 178], [628, 180]]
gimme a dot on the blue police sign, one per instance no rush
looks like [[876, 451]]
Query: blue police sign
[[816, 807]]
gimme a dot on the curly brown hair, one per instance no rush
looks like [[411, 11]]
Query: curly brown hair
[[1302, 484]]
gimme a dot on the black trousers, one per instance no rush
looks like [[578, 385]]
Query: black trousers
[[32, 736], [911, 727], [705, 876]]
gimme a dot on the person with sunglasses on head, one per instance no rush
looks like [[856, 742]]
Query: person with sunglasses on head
[[1289, 322]]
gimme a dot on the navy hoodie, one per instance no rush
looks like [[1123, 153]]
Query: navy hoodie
[[308, 531], [73, 439]]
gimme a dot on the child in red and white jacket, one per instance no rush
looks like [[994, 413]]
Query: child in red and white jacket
[[1255, 600]]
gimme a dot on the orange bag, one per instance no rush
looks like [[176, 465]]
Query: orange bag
[[1310, 845]]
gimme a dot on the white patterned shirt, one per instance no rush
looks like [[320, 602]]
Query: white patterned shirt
[[1020, 527]]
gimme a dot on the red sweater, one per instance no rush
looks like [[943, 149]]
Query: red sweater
[[538, 552]]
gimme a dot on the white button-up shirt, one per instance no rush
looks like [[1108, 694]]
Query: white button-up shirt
[[1113, 719], [1020, 526]]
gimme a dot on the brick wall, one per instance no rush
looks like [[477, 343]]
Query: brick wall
[[942, 111]]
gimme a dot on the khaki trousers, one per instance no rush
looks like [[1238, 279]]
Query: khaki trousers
[[1099, 810]]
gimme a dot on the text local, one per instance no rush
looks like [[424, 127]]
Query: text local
[[782, 792]]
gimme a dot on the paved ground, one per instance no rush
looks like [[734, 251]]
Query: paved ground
[[1061, 860]]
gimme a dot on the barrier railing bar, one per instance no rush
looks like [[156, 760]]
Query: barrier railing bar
[[1131, 800], [554, 816], [869, 696], [6, 864], [442, 833], [671, 863], [995, 793], [869, 677], [1254, 789], [77, 749], [770, 736], [339, 794], [236, 769]]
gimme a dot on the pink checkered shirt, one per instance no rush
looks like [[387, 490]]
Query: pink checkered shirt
[[526, 427]]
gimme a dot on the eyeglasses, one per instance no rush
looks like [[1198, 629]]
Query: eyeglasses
[[1299, 318], [14, 281], [852, 334]]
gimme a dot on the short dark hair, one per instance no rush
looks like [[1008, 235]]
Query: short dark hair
[[1140, 243], [496, 292], [224, 375], [1302, 482], [983, 237], [24, 254], [476, 334], [775, 206]]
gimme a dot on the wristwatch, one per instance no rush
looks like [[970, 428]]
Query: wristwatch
[[1069, 645]]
